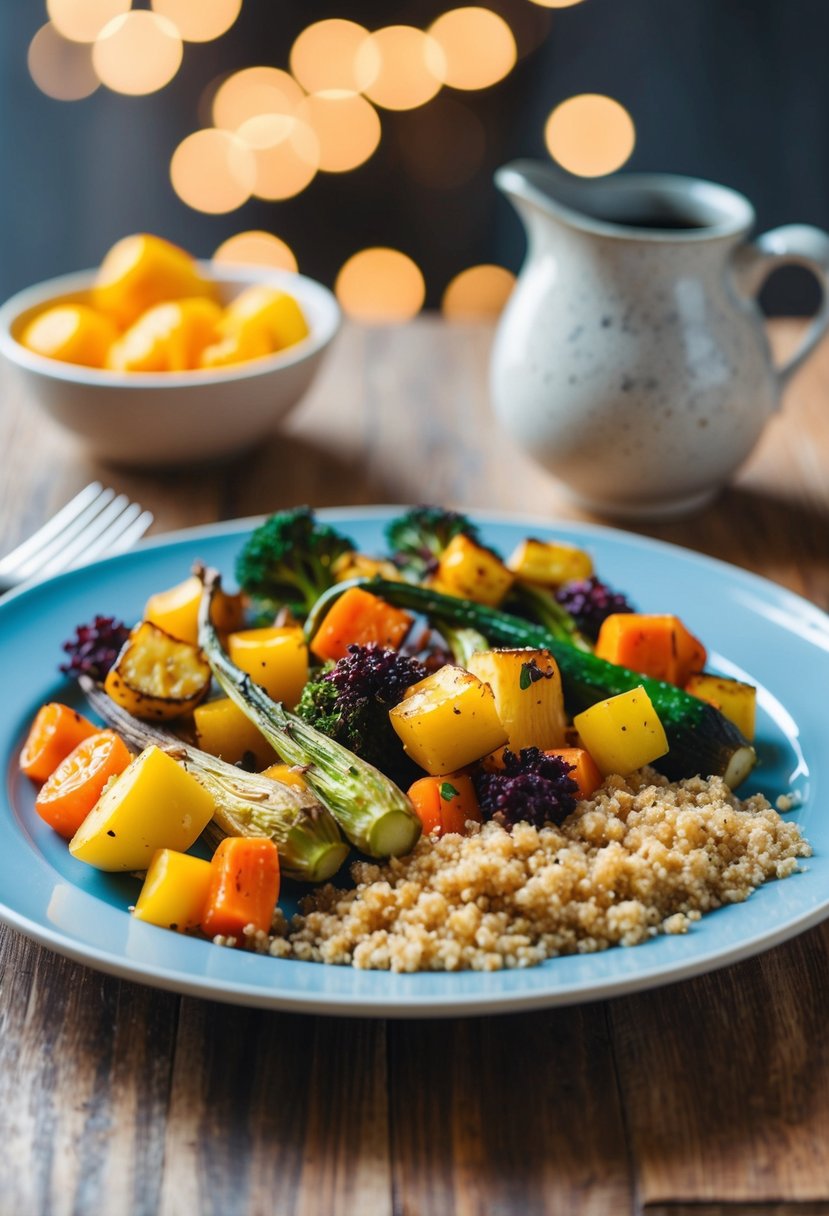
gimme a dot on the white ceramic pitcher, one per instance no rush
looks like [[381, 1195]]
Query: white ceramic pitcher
[[631, 360]]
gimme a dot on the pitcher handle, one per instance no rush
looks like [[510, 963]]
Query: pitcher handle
[[800, 245]]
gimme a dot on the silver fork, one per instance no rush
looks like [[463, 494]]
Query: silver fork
[[97, 521]]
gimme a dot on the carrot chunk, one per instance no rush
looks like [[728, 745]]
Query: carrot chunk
[[244, 887], [656, 645], [356, 619], [445, 804], [71, 791], [583, 768], [56, 731]]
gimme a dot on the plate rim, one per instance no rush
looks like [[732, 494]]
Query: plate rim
[[426, 1004]]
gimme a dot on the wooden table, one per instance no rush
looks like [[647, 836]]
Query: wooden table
[[710, 1096]]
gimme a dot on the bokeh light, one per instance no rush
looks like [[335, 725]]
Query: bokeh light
[[252, 92], [477, 293], [137, 53], [83, 20], [286, 152], [380, 286], [199, 20], [478, 47], [324, 56], [590, 134], [61, 69], [255, 248], [556, 3], [213, 171], [346, 126], [400, 67]]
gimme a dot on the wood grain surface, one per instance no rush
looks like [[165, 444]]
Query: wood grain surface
[[710, 1096]]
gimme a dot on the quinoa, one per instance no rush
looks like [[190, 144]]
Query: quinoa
[[641, 857]]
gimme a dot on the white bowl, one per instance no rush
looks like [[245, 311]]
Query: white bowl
[[169, 418]]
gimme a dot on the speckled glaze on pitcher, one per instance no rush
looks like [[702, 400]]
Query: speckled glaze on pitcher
[[631, 360]]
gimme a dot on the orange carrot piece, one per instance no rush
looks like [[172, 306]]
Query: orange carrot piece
[[356, 619], [71, 791], [657, 645], [583, 768], [244, 888], [56, 731], [445, 804]]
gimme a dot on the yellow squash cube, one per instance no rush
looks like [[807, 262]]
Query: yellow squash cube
[[175, 891], [223, 730], [549, 562], [622, 733], [528, 695], [276, 658], [154, 804], [176, 610], [448, 720], [473, 572], [734, 699]]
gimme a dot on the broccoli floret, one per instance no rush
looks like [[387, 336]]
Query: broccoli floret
[[418, 538], [350, 702], [288, 561], [589, 602], [533, 787]]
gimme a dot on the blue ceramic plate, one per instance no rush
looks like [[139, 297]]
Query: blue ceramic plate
[[754, 630]]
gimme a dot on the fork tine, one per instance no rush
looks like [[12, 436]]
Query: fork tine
[[121, 532], [53, 527], [75, 552], [54, 554]]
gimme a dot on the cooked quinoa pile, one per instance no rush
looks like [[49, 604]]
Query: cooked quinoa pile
[[641, 857]]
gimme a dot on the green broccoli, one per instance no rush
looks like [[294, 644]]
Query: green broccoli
[[418, 538], [288, 561], [350, 701]]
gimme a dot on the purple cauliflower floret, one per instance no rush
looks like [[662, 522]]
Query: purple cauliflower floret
[[590, 601], [95, 647], [533, 787]]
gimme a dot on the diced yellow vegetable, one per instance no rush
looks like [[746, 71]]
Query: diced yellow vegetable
[[276, 658], [237, 345], [473, 572], [154, 804], [361, 565], [175, 891], [448, 720], [176, 610], [223, 730], [157, 676], [622, 733], [74, 333], [734, 699], [141, 271], [550, 562], [528, 695], [275, 312]]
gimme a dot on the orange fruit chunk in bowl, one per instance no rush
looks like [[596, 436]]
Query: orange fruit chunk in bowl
[[237, 343], [73, 333], [167, 338], [143, 270], [276, 312]]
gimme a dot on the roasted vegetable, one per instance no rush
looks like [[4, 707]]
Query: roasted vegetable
[[289, 561], [359, 618], [471, 570], [656, 644], [531, 787], [589, 602], [176, 611], [156, 676], [529, 700], [736, 700], [95, 647], [310, 844], [223, 730], [445, 804], [549, 563], [276, 658], [56, 731], [175, 891], [622, 733], [418, 538], [350, 701], [448, 720], [244, 887], [701, 740], [372, 811], [539, 604]]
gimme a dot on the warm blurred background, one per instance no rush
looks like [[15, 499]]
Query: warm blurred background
[[308, 134]]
